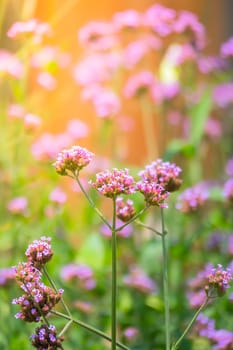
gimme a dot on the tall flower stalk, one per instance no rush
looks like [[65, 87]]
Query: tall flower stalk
[[114, 277], [165, 282]]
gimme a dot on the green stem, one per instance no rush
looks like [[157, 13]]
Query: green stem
[[55, 288], [65, 328], [114, 276], [92, 204], [149, 228], [89, 328], [174, 347], [165, 283]]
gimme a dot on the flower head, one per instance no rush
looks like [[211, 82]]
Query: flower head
[[154, 193], [124, 209], [218, 280], [113, 183], [73, 160], [39, 252], [45, 337], [165, 174], [18, 205], [228, 189], [138, 279], [192, 199]]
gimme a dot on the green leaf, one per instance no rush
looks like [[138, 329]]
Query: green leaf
[[92, 252], [199, 114]]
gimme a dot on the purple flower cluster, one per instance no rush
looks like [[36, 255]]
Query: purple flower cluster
[[165, 174], [38, 299], [154, 194], [124, 209], [192, 199], [45, 337], [39, 252], [138, 280], [83, 274], [72, 160], [221, 339], [114, 183], [7, 274], [218, 281]]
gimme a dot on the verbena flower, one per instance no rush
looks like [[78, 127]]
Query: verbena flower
[[82, 274], [124, 209], [227, 48], [113, 183], [7, 274], [218, 281], [154, 194], [39, 252], [138, 280], [45, 337], [26, 273], [165, 174], [72, 160], [18, 205], [192, 199], [37, 301]]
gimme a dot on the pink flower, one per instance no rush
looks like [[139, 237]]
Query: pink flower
[[82, 273], [31, 121], [213, 128], [46, 80], [49, 57], [129, 19], [39, 252], [37, 30], [7, 274], [124, 209], [223, 94], [192, 199], [16, 111], [97, 36], [77, 128], [72, 160], [165, 174], [107, 104], [154, 194], [228, 189], [131, 333], [164, 19], [188, 22], [138, 84], [138, 280], [58, 196], [208, 64], [229, 167], [218, 280], [227, 48], [112, 184], [18, 205], [10, 64]]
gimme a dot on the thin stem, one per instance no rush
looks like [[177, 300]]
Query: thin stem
[[89, 328], [165, 283], [133, 218], [114, 276], [148, 228], [55, 288], [92, 204], [65, 328], [174, 347]]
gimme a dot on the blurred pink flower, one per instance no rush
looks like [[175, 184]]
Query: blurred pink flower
[[196, 298], [10, 64], [58, 196], [46, 80], [188, 22], [33, 27], [213, 128], [15, 111], [208, 64], [229, 167], [7, 275], [18, 205], [192, 198], [131, 333], [227, 48], [49, 56], [98, 36], [228, 189], [76, 128], [164, 19], [138, 84], [80, 272], [223, 94], [129, 19], [107, 104], [138, 280], [31, 122]]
